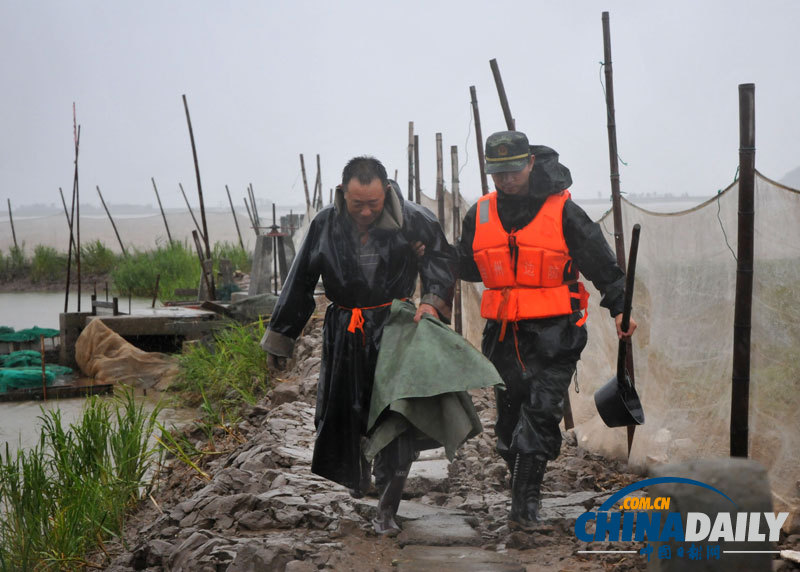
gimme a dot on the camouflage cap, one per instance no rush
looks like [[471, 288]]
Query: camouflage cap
[[507, 151]]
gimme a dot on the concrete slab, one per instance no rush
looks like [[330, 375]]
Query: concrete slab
[[439, 530], [458, 558]]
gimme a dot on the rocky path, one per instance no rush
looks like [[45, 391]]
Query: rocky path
[[262, 509]]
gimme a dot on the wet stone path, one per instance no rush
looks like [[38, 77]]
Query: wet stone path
[[261, 508]]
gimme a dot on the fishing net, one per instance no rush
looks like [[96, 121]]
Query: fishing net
[[105, 355], [28, 335], [683, 349]]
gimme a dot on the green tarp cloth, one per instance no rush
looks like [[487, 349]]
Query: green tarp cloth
[[423, 373], [29, 335]]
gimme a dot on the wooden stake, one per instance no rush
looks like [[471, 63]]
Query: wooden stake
[[501, 92], [417, 190], [457, 325], [188, 206], [199, 186], [410, 160], [479, 139], [305, 181], [209, 281], [114, 226], [439, 180], [76, 220], [161, 208], [743, 305], [236, 222]]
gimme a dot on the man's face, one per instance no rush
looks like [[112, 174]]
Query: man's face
[[364, 202], [514, 182]]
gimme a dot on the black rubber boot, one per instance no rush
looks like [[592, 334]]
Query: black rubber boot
[[385, 524], [526, 485], [365, 480]]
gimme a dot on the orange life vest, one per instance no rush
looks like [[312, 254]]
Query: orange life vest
[[528, 272]]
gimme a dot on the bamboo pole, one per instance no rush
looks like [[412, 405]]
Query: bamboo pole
[[188, 206], [199, 186], [616, 202], [236, 222], [11, 220], [743, 306], [319, 182], [305, 181], [317, 198], [113, 225], [161, 208], [69, 221], [250, 216], [501, 92], [256, 216], [417, 190], [210, 295], [76, 220], [457, 325], [410, 161], [439, 180], [479, 139]]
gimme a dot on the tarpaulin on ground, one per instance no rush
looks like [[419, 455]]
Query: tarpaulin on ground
[[106, 356], [424, 371]]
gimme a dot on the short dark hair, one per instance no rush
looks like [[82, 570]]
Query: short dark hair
[[365, 169]]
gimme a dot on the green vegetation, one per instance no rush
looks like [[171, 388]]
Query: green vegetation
[[47, 264], [97, 258], [238, 256], [176, 263], [220, 377], [13, 265], [134, 274], [71, 491]]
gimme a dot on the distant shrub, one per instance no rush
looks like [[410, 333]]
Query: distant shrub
[[48, 264], [14, 264], [97, 258], [176, 263]]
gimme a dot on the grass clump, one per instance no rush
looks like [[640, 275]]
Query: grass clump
[[72, 490], [176, 263], [97, 258], [239, 257], [222, 376], [14, 264], [47, 264]]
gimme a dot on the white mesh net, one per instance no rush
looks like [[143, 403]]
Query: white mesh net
[[683, 349]]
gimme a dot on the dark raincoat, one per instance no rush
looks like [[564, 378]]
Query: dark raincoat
[[530, 407], [330, 250]]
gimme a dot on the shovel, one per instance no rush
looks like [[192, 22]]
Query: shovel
[[617, 401]]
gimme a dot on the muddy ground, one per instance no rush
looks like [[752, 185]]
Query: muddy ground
[[258, 507]]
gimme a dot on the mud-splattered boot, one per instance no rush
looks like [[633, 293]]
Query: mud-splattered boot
[[526, 487], [385, 524]]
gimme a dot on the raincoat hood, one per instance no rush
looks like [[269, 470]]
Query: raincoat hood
[[390, 219]]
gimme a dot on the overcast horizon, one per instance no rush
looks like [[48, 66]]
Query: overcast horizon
[[266, 81]]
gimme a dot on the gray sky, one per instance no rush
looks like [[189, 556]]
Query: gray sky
[[268, 80]]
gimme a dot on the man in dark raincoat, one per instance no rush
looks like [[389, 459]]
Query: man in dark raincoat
[[526, 242], [367, 247]]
